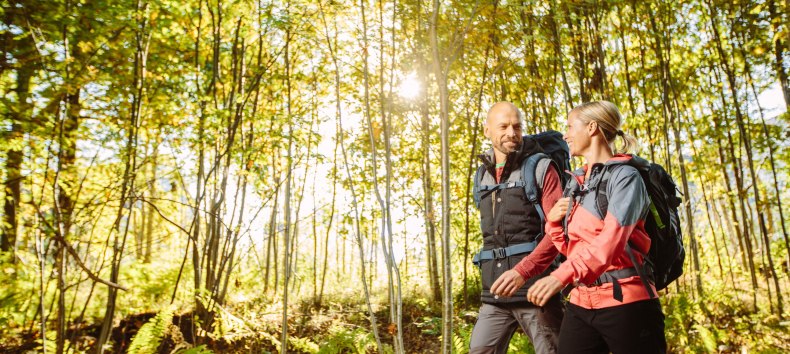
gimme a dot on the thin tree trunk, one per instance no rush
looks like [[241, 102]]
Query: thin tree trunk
[[271, 243], [200, 187], [780, 43], [396, 301], [626, 68], [470, 170], [152, 192], [128, 186], [558, 55], [287, 196], [441, 81], [330, 220], [25, 50], [427, 182]]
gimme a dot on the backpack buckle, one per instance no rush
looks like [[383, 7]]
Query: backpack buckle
[[499, 253]]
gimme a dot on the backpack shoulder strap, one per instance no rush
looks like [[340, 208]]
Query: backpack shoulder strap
[[541, 169], [476, 193], [601, 193], [533, 171], [532, 175]]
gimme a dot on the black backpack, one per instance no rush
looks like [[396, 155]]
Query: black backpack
[[556, 150], [666, 256]]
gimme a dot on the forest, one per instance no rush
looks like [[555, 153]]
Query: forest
[[255, 176]]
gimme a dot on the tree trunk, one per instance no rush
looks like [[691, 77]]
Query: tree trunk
[[329, 222], [558, 55], [287, 196], [24, 51], [425, 166], [474, 124], [441, 81], [780, 44]]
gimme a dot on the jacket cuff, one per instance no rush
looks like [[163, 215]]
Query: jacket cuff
[[521, 271], [563, 274], [550, 223]]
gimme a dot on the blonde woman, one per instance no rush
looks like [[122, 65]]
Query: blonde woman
[[611, 308]]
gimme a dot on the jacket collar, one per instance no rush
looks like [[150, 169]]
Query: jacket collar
[[616, 160]]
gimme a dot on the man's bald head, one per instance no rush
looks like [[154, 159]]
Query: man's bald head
[[503, 127], [503, 107]]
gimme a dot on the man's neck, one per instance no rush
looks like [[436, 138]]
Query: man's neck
[[499, 157]]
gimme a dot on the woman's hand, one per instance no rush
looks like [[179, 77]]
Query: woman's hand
[[559, 210], [543, 289]]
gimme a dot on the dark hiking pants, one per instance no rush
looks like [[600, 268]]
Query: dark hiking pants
[[637, 327]]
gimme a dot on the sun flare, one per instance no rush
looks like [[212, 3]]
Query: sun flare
[[409, 86]]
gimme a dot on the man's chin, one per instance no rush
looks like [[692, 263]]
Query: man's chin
[[510, 148]]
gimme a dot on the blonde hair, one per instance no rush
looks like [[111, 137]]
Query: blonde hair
[[609, 120]]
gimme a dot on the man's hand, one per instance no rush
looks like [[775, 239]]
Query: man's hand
[[558, 211], [507, 284], [540, 292]]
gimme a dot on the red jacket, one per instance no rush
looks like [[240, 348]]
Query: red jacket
[[596, 243]]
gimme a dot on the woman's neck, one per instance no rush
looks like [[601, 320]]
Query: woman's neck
[[597, 153]]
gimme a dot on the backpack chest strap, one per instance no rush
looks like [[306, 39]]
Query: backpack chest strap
[[506, 185], [499, 253]]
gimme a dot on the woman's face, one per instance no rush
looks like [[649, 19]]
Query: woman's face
[[577, 135]]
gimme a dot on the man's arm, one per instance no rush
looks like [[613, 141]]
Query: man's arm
[[543, 255]]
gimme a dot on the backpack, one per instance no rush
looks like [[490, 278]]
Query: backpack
[[666, 256], [555, 152], [554, 148]]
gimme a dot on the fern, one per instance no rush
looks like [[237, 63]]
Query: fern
[[302, 345], [196, 350], [461, 337], [520, 343], [342, 340], [458, 344], [150, 334], [708, 338]]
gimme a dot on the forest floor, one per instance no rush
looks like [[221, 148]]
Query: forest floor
[[342, 325], [333, 328]]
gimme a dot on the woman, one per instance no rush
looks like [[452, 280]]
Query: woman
[[611, 309]]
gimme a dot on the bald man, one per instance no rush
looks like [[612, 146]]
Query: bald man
[[512, 230]]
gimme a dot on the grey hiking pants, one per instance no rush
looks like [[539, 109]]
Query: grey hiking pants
[[496, 324]]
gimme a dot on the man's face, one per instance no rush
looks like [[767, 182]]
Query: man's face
[[503, 128]]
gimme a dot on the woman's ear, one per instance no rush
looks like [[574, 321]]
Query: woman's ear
[[592, 128]]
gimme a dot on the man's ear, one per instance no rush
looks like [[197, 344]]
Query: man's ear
[[485, 131]]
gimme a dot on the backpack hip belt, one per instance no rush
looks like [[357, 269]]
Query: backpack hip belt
[[613, 276], [504, 252]]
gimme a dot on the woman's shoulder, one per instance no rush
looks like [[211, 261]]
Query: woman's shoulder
[[622, 175]]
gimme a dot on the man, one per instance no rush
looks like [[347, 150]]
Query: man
[[511, 226]]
